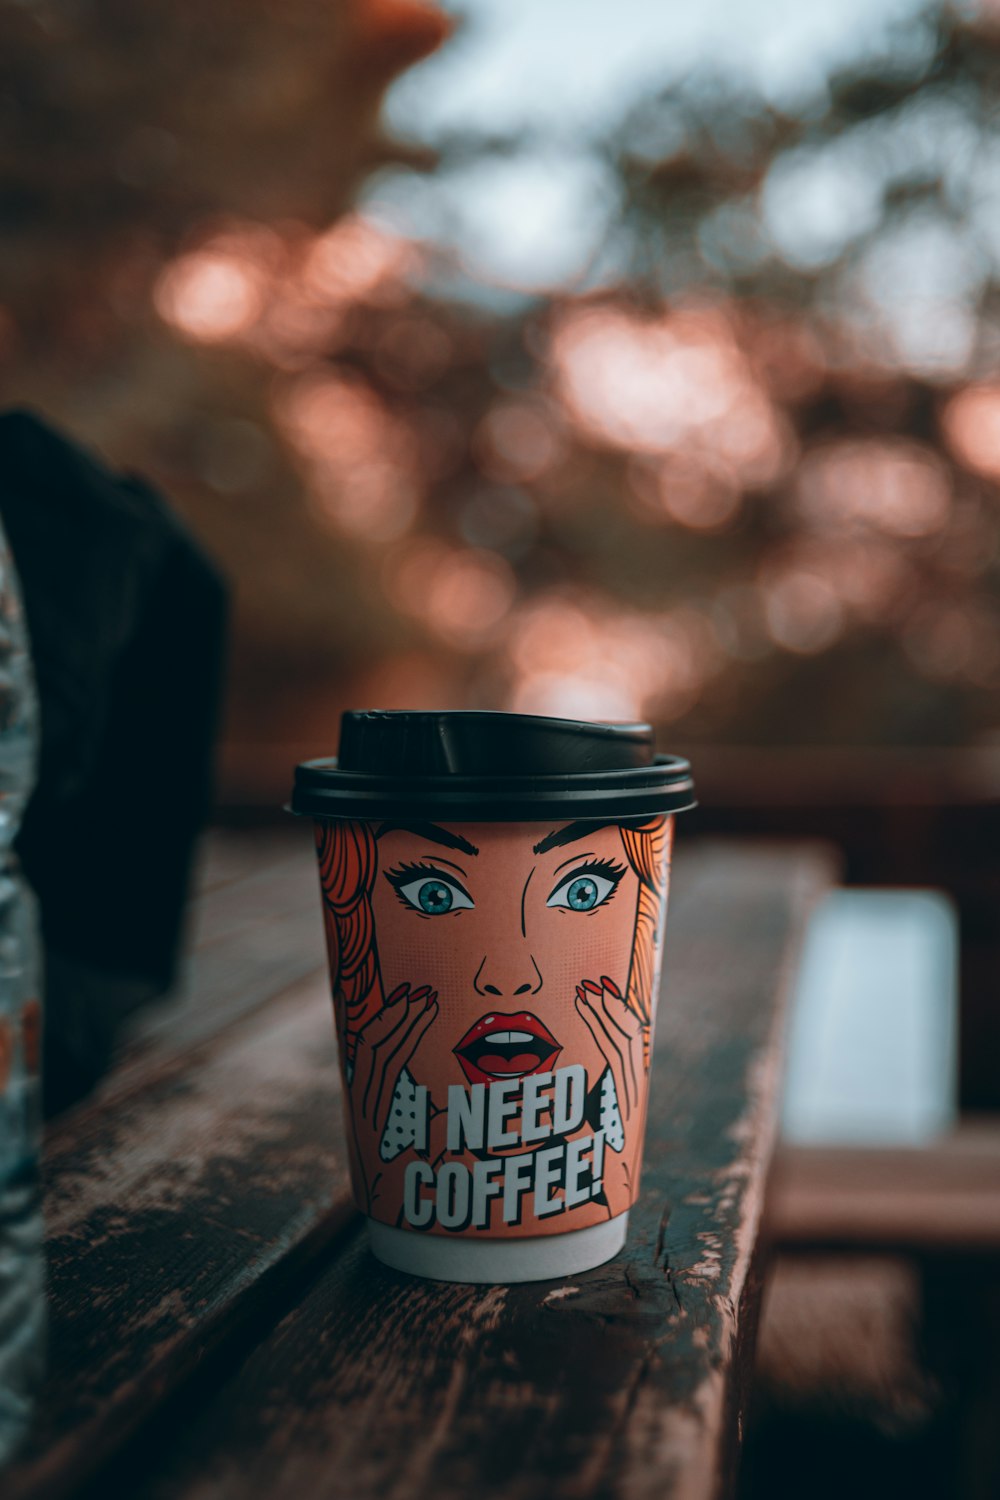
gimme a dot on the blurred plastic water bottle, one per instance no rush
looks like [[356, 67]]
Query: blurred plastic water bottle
[[22, 1285]]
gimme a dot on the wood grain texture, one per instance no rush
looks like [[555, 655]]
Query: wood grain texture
[[628, 1381], [840, 1336], [174, 1213], [254, 930], [228, 854]]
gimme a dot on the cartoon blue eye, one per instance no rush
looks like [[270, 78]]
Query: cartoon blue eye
[[582, 894], [431, 894], [584, 891]]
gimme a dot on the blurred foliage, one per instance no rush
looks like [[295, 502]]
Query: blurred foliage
[[741, 476]]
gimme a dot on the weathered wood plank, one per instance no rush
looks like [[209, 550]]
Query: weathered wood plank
[[251, 935], [231, 971], [173, 1214], [941, 1197], [626, 1381], [262, 885], [842, 1333], [228, 854], [128, 1315]]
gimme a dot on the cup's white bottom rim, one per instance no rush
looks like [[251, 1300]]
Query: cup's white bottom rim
[[543, 1258]]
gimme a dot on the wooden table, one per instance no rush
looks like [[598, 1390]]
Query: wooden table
[[219, 1327]]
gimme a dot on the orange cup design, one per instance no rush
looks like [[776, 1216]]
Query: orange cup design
[[494, 988]]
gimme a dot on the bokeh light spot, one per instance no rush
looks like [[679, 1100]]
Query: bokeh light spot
[[803, 613], [360, 461], [459, 594], [517, 440], [211, 296], [892, 485], [971, 423], [354, 259], [678, 383], [629, 662]]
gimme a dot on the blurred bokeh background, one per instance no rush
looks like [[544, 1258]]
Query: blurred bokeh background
[[603, 361], [636, 361], [600, 360]]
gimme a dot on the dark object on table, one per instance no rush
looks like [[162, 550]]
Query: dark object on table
[[127, 624]]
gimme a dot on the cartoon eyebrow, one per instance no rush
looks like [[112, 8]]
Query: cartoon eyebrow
[[569, 835], [432, 833]]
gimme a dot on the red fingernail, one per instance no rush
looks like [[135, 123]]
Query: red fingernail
[[420, 994], [609, 984], [398, 993], [579, 992], [595, 989]]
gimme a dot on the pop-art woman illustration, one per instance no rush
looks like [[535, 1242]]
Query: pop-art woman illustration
[[493, 987]]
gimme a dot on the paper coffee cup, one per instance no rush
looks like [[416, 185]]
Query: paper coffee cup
[[494, 894]]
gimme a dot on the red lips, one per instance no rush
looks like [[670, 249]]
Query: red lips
[[500, 1046]]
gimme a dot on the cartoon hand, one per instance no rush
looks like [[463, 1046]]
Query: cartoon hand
[[618, 1034], [384, 1048]]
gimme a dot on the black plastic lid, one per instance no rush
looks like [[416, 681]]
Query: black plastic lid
[[490, 767]]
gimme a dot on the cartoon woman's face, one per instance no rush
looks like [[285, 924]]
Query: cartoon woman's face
[[504, 922]]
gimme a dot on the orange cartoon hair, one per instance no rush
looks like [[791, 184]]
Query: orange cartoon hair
[[648, 849], [348, 863]]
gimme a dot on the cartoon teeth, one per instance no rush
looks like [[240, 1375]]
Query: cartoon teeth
[[505, 1038], [610, 1115], [407, 1122]]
